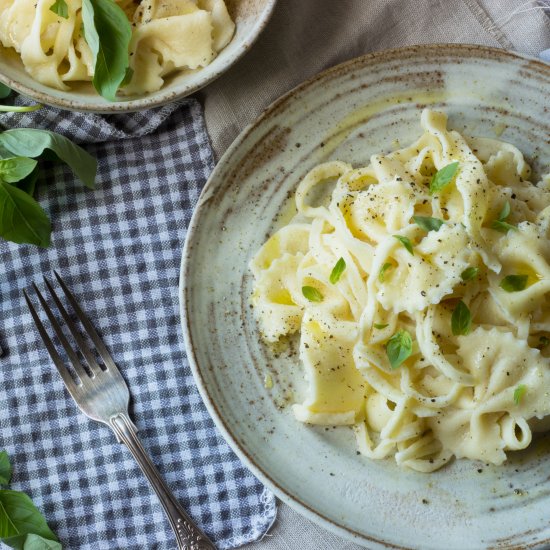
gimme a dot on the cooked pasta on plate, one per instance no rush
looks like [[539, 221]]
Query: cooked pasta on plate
[[419, 292], [63, 41]]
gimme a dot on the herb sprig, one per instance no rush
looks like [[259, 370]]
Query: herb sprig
[[22, 526], [500, 224], [443, 177], [399, 348], [22, 219]]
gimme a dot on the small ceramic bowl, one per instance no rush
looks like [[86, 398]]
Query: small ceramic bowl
[[250, 17]]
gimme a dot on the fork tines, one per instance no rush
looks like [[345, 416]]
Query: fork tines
[[92, 364]]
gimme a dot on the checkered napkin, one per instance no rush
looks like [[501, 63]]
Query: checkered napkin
[[119, 250]]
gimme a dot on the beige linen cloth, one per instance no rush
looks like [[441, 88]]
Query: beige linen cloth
[[306, 36]]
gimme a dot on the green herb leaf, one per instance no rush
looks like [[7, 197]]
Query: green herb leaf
[[35, 542], [399, 348], [19, 108], [59, 7], [428, 224], [337, 271], [461, 319], [127, 77], [312, 294], [383, 269], [22, 219], [380, 326], [19, 517], [514, 283], [108, 33], [469, 273], [544, 341], [443, 177], [519, 392], [503, 227], [28, 184], [27, 142], [4, 91], [16, 168], [405, 242], [5, 468], [505, 212]]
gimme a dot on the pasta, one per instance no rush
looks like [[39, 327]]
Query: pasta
[[167, 36], [420, 294]]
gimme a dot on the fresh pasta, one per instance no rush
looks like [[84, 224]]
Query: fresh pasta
[[167, 36], [420, 292]]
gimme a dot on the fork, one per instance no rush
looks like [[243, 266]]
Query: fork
[[102, 395]]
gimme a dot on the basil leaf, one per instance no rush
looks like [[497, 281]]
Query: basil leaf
[[59, 7], [16, 168], [514, 283], [22, 219], [380, 326], [503, 227], [312, 294], [443, 177], [461, 319], [405, 242], [519, 392], [28, 184], [19, 108], [19, 517], [428, 224], [505, 212], [4, 91], [27, 142], [108, 33], [469, 273], [5, 468], [382, 272], [35, 542], [399, 348], [337, 271]]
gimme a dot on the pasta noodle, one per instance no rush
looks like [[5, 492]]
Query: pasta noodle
[[420, 293], [167, 36]]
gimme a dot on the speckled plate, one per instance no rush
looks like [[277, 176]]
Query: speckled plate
[[369, 104], [250, 17]]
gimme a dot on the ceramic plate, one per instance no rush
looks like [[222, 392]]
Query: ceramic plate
[[250, 17], [367, 105]]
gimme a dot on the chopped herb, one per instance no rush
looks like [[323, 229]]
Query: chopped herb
[[380, 326], [312, 294], [399, 348], [405, 242], [501, 225], [443, 177], [469, 273], [337, 271], [514, 283], [59, 7], [427, 223], [519, 392], [461, 320], [383, 270]]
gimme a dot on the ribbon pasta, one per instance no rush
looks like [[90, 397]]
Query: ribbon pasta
[[167, 36], [476, 393]]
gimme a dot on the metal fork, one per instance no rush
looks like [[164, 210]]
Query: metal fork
[[102, 395]]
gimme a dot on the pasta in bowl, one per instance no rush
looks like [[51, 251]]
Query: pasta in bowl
[[109, 55], [419, 292]]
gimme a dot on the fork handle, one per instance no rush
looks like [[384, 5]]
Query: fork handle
[[188, 535]]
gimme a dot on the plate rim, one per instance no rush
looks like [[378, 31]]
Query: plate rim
[[146, 102], [184, 290]]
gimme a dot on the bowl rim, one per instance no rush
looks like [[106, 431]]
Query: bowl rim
[[185, 291], [147, 102]]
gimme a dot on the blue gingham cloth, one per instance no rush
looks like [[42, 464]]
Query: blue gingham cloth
[[119, 250]]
